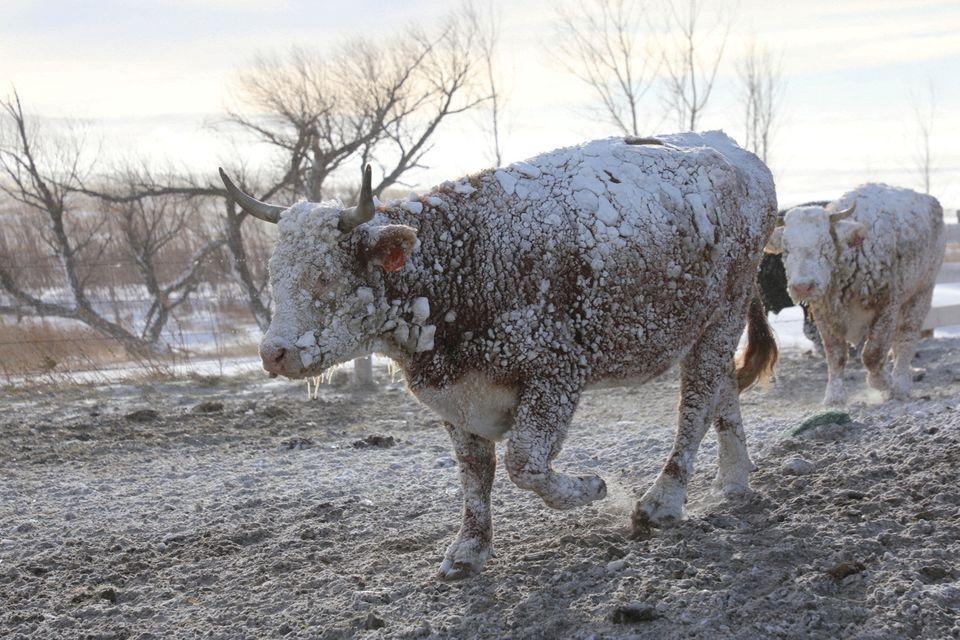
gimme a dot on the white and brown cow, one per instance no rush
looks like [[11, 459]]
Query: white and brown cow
[[503, 295], [866, 265]]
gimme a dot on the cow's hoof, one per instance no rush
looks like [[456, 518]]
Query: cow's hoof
[[835, 394], [835, 399], [734, 480], [899, 390], [464, 558], [643, 522], [732, 488], [881, 381], [575, 491], [653, 514], [660, 506], [456, 570], [640, 526]]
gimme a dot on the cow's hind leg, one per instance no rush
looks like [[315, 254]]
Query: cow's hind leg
[[473, 546], [913, 314], [734, 464], [705, 370], [540, 426], [876, 348]]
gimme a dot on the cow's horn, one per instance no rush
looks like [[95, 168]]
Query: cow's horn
[[841, 215], [262, 210], [363, 212]]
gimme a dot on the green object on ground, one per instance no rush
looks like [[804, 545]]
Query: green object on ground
[[818, 420]]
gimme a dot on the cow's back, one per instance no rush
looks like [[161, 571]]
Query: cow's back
[[904, 244], [619, 252]]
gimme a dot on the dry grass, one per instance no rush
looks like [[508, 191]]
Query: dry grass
[[44, 351], [39, 347]]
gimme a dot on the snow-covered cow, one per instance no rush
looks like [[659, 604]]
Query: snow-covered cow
[[772, 280], [866, 264], [502, 295]]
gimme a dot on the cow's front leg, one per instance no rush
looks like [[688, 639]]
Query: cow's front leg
[[835, 350], [912, 316], [474, 544], [540, 426]]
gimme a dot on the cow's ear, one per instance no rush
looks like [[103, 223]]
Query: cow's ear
[[851, 233], [775, 241], [389, 246]]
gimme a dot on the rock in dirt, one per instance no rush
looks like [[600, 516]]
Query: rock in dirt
[[375, 441], [634, 613], [212, 406], [143, 415], [797, 466], [845, 569]]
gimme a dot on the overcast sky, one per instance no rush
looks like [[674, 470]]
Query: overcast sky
[[148, 74]]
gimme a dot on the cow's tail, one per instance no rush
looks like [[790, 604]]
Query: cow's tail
[[757, 360]]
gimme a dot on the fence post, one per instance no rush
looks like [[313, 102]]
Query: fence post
[[363, 371]]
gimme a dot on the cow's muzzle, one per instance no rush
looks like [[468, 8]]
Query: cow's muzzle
[[802, 291], [281, 357]]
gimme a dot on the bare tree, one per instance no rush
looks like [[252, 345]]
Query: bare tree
[[925, 112], [366, 101], [600, 42], [488, 34], [49, 190], [248, 261], [762, 90], [168, 241], [246, 254], [691, 71]]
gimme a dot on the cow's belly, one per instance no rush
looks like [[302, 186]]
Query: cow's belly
[[473, 403]]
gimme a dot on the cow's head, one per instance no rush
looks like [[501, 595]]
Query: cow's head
[[327, 277], [811, 238]]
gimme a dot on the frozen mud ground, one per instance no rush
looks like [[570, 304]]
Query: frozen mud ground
[[239, 508]]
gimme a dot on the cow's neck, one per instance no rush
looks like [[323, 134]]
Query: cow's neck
[[410, 295]]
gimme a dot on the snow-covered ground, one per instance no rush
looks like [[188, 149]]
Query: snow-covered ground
[[227, 505], [238, 508]]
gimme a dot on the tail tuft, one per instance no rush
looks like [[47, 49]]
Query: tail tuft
[[758, 359]]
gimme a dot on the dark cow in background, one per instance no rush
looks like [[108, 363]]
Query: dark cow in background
[[772, 280], [866, 265], [503, 295]]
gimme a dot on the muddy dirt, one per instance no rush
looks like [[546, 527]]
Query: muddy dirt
[[240, 508]]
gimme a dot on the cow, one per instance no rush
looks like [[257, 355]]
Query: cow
[[501, 296], [772, 284], [866, 265], [772, 280]]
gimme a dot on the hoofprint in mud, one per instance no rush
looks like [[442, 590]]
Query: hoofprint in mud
[[866, 264], [238, 508], [504, 295]]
